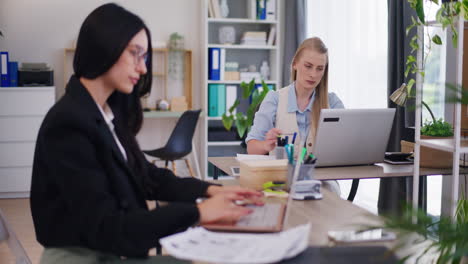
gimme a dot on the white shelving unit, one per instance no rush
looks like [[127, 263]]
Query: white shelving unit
[[454, 145], [22, 110], [245, 55]]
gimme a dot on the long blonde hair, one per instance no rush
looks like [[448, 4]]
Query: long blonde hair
[[321, 91]]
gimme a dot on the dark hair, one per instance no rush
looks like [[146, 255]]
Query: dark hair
[[103, 37]]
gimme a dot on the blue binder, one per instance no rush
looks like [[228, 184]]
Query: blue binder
[[214, 62], [13, 72], [261, 9], [4, 80]]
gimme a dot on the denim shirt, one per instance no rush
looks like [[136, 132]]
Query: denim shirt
[[265, 118]]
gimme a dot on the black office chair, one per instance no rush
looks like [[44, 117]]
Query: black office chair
[[352, 192], [179, 144]]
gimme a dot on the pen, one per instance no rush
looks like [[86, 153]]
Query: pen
[[294, 137]]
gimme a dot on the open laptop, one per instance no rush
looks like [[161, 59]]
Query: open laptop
[[352, 136]]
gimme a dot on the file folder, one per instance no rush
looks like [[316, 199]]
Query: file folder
[[261, 9], [4, 80], [231, 96], [13, 73], [222, 64], [270, 10], [221, 99], [212, 100], [214, 64]]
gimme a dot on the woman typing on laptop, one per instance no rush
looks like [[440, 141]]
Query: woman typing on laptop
[[90, 180], [296, 108]]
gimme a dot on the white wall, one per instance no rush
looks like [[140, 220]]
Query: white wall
[[38, 31]]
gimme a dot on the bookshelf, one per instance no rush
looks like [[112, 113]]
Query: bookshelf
[[216, 141], [161, 79], [455, 145]]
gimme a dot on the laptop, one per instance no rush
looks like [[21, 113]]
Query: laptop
[[263, 219], [352, 136]]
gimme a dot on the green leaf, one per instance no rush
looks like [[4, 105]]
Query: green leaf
[[410, 59], [408, 28], [410, 84], [437, 40], [455, 39], [420, 11], [234, 106], [227, 121], [408, 69]]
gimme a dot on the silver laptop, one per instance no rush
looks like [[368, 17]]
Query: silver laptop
[[352, 136]]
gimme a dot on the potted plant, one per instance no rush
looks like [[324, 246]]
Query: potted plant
[[244, 121]]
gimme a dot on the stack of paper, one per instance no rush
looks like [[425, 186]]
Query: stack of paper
[[198, 244], [254, 38]]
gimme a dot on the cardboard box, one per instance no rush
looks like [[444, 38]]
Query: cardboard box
[[254, 173], [430, 158]]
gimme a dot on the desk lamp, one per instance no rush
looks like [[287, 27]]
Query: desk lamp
[[400, 95]]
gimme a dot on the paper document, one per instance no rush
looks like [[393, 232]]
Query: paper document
[[241, 157], [199, 244]]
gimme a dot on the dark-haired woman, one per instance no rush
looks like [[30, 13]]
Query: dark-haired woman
[[90, 180]]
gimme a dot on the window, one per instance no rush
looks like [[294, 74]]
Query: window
[[355, 33]]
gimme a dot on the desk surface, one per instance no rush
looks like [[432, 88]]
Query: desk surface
[[379, 170], [330, 213]]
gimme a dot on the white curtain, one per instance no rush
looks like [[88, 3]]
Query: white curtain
[[355, 33]]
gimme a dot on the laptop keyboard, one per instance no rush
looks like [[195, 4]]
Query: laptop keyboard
[[266, 215]]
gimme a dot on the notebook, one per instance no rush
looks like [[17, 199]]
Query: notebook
[[352, 136]]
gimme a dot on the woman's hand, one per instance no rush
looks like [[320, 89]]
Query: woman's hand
[[246, 195], [271, 137], [221, 208]]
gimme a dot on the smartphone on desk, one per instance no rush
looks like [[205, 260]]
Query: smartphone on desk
[[351, 236], [397, 158]]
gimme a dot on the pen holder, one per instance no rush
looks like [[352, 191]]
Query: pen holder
[[280, 153], [306, 172]]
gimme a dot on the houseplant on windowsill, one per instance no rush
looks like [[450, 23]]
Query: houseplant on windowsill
[[434, 129], [244, 121]]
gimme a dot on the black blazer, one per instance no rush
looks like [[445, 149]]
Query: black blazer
[[84, 194]]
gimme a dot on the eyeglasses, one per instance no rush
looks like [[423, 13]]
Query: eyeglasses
[[138, 55]]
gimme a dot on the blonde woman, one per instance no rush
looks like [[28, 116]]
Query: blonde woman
[[296, 108]]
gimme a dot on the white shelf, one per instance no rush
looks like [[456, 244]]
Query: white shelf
[[27, 88], [238, 82], [445, 144], [214, 118], [240, 21], [239, 46], [224, 143]]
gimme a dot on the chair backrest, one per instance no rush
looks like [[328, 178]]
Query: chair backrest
[[180, 141], [7, 234]]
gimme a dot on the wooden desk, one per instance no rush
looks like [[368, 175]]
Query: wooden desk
[[379, 170], [331, 213]]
